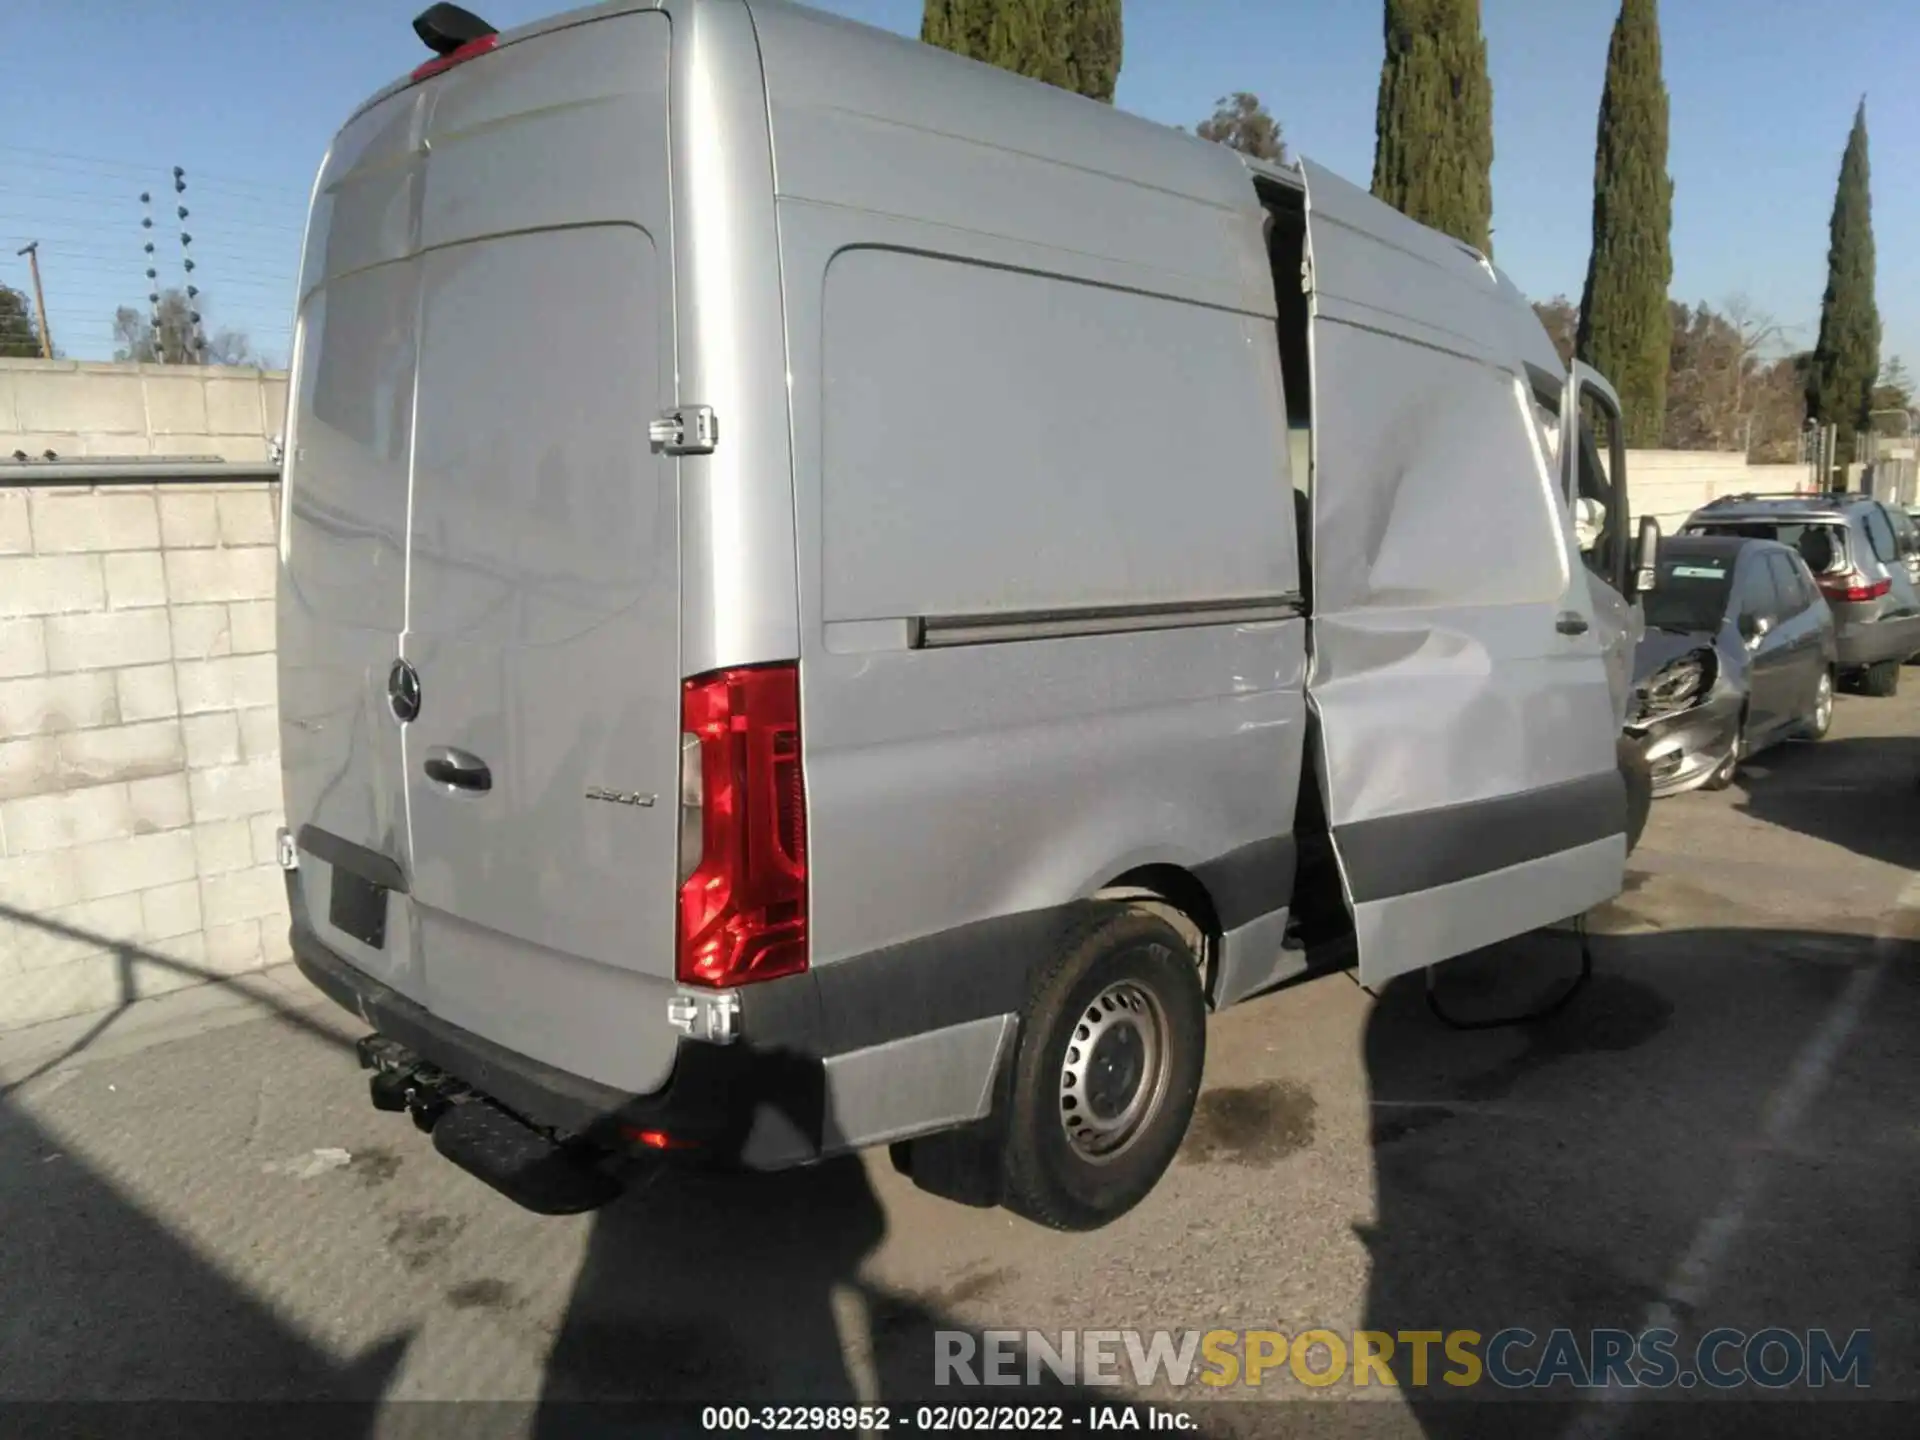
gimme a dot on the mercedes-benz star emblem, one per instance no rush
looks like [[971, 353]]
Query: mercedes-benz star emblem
[[403, 691]]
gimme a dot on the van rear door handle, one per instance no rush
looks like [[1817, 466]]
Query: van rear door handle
[[1571, 622], [448, 766]]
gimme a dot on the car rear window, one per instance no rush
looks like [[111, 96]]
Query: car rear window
[[1691, 594], [1821, 543]]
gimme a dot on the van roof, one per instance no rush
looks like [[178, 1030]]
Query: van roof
[[1027, 115], [1285, 172], [561, 21]]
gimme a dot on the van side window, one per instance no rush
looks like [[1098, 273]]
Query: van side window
[[1880, 536]]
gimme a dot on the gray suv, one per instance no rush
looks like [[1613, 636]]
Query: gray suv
[[1855, 551]]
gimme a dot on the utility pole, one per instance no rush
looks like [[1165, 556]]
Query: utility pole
[[32, 251]]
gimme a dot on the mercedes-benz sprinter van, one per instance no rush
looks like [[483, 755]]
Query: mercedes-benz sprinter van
[[833, 596]]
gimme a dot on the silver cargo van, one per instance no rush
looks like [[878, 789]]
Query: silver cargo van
[[834, 596]]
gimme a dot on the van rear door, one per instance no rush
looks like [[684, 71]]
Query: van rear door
[[542, 772], [342, 584], [1468, 732], [489, 335]]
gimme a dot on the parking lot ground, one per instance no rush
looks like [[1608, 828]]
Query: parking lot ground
[[200, 1203]]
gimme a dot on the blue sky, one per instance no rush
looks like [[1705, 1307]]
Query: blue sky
[[245, 95]]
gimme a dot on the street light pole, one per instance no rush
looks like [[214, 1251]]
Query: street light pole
[[32, 251]]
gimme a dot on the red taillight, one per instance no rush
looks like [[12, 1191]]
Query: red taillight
[[657, 1139], [743, 910], [454, 57], [1854, 587]]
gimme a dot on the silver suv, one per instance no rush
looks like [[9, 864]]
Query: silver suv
[[1855, 551]]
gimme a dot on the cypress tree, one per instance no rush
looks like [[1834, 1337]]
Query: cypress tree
[[1626, 327], [1094, 46], [1075, 44], [1846, 359], [1433, 128]]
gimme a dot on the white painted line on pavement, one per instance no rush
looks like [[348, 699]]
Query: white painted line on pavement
[[853, 1322], [1691, 1279]]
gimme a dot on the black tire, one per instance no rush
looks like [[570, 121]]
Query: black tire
[[1881, 681], [1048, 1178]]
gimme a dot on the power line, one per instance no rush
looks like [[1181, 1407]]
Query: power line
[[248, 264], [82, 225], [125, 167], [224, 221]]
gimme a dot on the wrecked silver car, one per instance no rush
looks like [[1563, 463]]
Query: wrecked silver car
[[1738, 654]]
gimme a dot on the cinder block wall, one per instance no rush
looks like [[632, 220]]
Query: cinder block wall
[[139, 772], [80, 410], [1671, 484]]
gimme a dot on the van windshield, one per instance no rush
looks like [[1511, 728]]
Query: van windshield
[[1692, 593], [1821, 543]]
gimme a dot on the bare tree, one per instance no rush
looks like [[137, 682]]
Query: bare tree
[[136, 337], [1755, 334], [1893, 391], [1561, 317], [1727, 384]]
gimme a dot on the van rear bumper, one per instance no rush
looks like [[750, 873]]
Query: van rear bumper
[[759, 1102]]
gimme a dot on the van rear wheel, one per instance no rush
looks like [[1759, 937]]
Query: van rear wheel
[[1108, 1070]]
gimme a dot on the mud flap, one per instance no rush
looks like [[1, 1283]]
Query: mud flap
[[963, 1165], [1638, 775]]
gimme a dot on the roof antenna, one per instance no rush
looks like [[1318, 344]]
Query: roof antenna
[[445, 28]]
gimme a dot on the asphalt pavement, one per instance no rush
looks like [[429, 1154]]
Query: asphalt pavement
[[200, 1204]]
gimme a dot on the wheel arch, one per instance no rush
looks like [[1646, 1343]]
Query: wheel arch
[[1179, 897]]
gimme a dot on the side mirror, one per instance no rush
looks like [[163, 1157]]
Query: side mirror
[[1754, 628], [1646, 562]]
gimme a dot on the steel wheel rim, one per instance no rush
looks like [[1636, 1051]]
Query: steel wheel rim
[[1114, 1073], [1823, 703]]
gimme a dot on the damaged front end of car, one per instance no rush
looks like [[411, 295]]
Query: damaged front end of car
[[1685, 716]]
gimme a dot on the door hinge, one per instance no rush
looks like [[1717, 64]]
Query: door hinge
[[689, 430]]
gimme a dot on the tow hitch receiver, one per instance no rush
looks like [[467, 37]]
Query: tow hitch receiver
[[534, 1170], [402, 1081]]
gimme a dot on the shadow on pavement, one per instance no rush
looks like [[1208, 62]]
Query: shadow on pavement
[[105, 1303], [1861, 794], [740, 1289], [130, 960], [1633, 1158], [696, 1288]]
